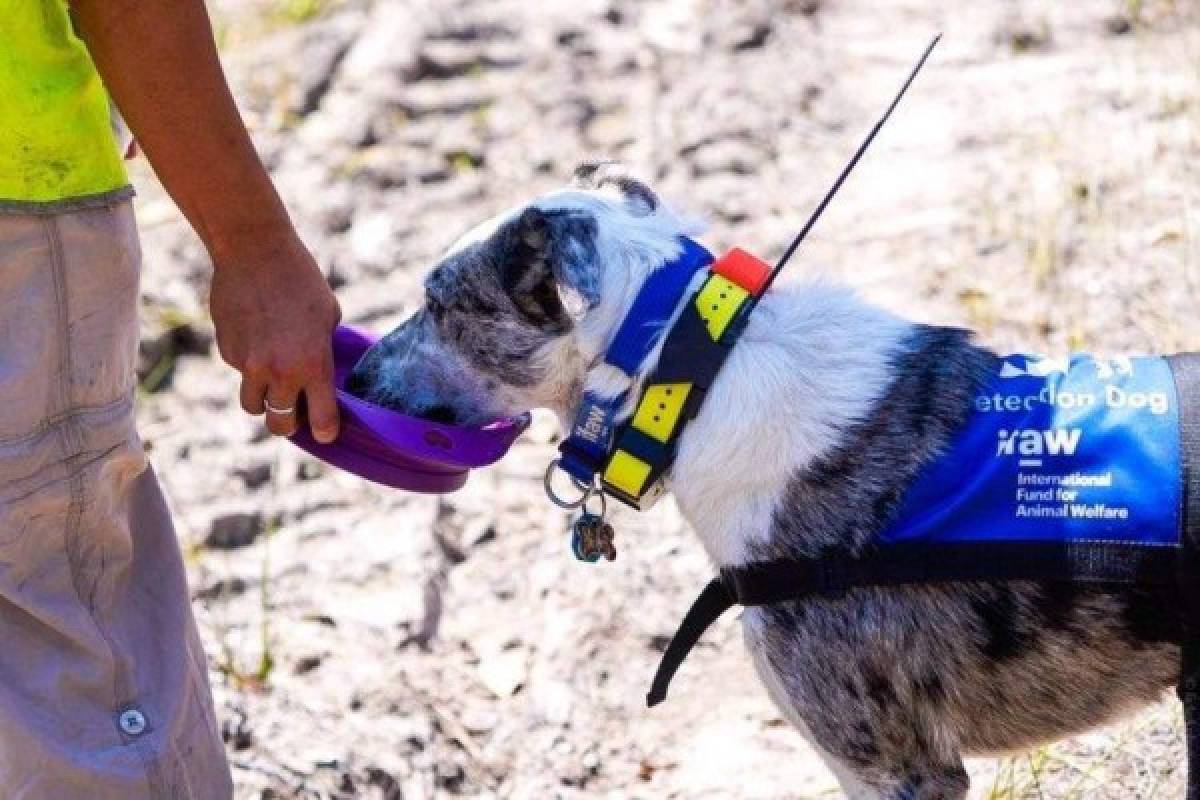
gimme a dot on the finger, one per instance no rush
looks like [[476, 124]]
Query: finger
[[251, 395], [281, 411], [321, 407]]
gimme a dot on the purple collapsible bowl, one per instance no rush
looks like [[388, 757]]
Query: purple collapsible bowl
[[395, 449]]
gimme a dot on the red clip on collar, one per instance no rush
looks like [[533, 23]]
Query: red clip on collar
[[743, 269]]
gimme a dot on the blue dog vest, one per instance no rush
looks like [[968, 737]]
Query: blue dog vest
[[1082, 470], [1083, 450]]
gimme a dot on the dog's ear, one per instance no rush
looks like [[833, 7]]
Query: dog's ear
[[549, 267], [601, 173]]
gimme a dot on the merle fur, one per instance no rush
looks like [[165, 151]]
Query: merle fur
[[488, 309]]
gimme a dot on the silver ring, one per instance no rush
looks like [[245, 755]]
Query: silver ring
[[555, 498], [283, 412]]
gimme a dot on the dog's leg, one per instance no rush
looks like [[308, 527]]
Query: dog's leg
[[869, 723], [933, 783], [920, 782]]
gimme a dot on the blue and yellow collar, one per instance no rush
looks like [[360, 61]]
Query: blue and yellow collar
[[628, 461]]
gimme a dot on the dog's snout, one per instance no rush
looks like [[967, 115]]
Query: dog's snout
[[387, 376]]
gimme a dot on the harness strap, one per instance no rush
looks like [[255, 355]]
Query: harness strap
[[832, 573], [714, 601], [1186, 369]]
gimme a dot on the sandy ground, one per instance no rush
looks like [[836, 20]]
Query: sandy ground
[[1041, 184]]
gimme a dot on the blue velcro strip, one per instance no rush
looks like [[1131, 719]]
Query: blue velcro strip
[[584, 451], [646, 321]]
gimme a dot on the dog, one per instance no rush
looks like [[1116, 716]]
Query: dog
[[813, 430]]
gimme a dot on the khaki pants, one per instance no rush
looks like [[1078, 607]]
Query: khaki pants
[[103, 687]]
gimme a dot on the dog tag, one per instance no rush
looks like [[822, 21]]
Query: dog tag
[[592, 538]]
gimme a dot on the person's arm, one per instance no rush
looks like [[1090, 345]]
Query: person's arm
[[273, 311]]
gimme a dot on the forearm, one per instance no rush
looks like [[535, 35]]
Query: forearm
[[159, 63]]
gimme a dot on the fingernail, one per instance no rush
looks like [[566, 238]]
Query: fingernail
[[325, 435]]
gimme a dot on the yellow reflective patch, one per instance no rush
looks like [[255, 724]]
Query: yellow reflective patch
[[659, 410], [627, 473], [718, 303]]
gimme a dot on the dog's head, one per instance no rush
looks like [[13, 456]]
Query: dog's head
[[521, 307]]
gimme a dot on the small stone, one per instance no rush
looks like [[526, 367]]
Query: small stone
[[191, 339], [222, 589], [256, 475], [449, 774], [235, 529], [306, 664], [751, 36], [1026, 38], [659, 642], [308, 470], [385, 781], [478, 532], [1118, 25], [235, 731]]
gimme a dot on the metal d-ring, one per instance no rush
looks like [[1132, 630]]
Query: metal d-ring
[[585, 491]]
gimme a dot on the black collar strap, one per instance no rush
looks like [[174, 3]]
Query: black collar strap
[[692, 355]]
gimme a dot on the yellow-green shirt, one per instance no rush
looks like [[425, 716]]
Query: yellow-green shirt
[[57, 145]]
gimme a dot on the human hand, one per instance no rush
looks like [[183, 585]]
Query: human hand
[[274, 316]]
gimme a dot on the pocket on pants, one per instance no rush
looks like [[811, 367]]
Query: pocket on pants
[[68, 315], [101, 260], [29, 327]]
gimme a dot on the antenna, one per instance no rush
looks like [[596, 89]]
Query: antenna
[[862, 148]]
